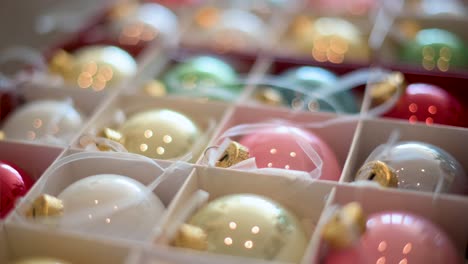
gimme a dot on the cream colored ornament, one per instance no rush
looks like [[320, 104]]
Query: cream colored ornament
[[249, 225], [94, 67], [158, 134], [39, 119]]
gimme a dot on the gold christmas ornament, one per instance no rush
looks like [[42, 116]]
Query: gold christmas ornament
[[330, 39], [157, 134]]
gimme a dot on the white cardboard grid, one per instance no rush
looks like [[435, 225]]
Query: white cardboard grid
[[375, 132], [305, 198], [446, 211], [353, 156], [28, 241]]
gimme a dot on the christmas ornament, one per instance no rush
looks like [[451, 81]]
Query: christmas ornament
[[230, 29], [39, 119], [203, 76], [387, 237], [135, 23], [245, 225], [330, 39], [40, 260], [14, 183], [435, 48], [103, 204], [157, 134], [420, 102], [96, 67], [280, 147], [414, 165], [317, 80]]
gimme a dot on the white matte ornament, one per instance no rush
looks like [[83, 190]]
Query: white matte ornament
[[422, 167], [153, 18], [111, 205], [39, 119]]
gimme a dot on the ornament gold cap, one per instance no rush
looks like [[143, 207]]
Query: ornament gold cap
[[345, 226], [233, 154], [378, 171], [190, 236], [385, 89], [45, 205], [155, 88], [62, 63], [110, 134], [269, 96]]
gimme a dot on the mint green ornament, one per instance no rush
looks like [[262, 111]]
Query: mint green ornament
[[203, 76]]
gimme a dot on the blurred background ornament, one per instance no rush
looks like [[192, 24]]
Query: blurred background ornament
[[95, 67]]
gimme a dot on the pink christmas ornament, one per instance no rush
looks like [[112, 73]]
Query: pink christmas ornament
[[280, 147], [398, 238], [428, 103]]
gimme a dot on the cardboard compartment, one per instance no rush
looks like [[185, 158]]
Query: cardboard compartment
[[287, 46], [373, 133], [20, 242], [69, 169], [150, 80], [290, 193], [205, 115], [85, 102], [451, 82], [444, 211], [98, 30], [338, 135], [299, 100], [405, 28], [33, 159], [212, 26]]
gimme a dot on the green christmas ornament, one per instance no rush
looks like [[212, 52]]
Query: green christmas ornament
[[435, 48], [317, 80], [203, 76]]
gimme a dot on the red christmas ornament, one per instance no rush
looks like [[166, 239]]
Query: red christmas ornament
[[14, 183], [428, 103]]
